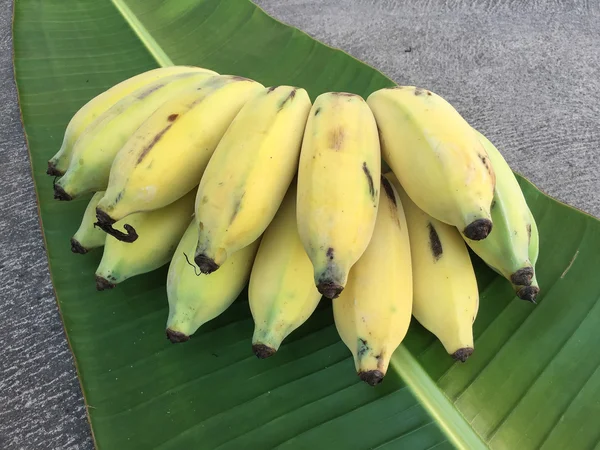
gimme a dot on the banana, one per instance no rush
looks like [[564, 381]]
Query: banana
[[89, 112], [530, 292], [338, 187], [161, 231], [194, 299], [166, 156], [97, 146], [282, 294], [445, 299], [373, 312], [436, 156], [88, 236], [249, 174], [506, 249]]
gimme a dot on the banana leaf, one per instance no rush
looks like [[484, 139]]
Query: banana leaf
[[533, 381]]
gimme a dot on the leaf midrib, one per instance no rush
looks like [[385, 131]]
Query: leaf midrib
[[430, 396]]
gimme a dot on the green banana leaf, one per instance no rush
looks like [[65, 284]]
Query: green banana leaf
[[533, 381]]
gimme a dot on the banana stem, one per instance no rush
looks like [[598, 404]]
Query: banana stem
[[105, 223]]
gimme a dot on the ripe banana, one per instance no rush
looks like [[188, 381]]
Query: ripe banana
[[194, 299], [167, 154], [446, 298], [338, 187], [373, 312], [160, 232], [88, 236], [89, 112], [506, 249], [97, 146], [249, 174], [436, 156], [282, 294]]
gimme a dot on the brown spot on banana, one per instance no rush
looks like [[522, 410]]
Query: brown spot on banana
[[271, 89], [486, 162], [317, 111], [289, 98], [149, 91], [336, 138], [529, 233], [238, 78], [367, 172], [435, 245], [236, 207], [389, 191], [329, 253], [172, 117], [153, 142], [344, 94]]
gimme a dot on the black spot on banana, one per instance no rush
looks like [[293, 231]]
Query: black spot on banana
[[369, 180], [156, 138], [389, 191], [289, 98], [434, 242]]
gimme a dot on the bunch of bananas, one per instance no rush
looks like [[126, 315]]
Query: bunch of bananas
[[235, 183]]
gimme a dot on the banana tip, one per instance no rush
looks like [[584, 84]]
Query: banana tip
[[176, 337], [462, 354], [478, 230], [76, 247], [522, 277], [205, 264], [103, 284], [263, 351], [53, 171], [528, 293], [371, 377], [330, 289], [61, 194]]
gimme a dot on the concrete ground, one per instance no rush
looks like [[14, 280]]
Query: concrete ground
[[527, 74]]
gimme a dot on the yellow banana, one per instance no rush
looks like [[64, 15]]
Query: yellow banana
[[88, 236], [101, 103], [166, 156], [194, 298], [338, 187], [249, 173], [446, 298], [436, 156], [161, 231], [506, 249], [97, 146], [373, 312], [282, 294]]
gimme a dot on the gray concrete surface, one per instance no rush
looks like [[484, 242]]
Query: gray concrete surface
[[525, 73]]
